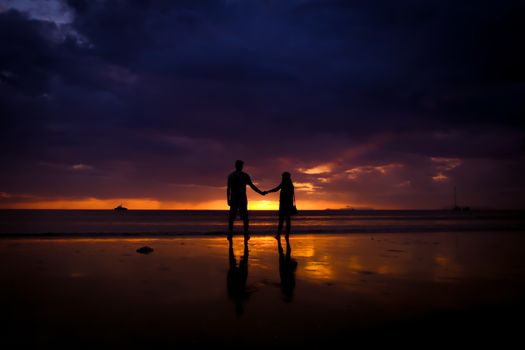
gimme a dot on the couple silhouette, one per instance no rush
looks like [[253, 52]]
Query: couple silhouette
[[237, 277], [238, 202]]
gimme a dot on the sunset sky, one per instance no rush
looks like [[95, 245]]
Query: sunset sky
[[369, 104]]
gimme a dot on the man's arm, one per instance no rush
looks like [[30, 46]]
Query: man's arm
[[228, 193], [250, 183]]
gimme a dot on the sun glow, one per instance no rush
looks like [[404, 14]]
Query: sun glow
[[155, 204], [305, 201], [263, 205]]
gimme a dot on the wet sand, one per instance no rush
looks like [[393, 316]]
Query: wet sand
[[402, 289]]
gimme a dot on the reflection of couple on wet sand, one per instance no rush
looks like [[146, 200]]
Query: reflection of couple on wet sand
[[237, 279], [238, 202], [237, 276], [287, 267]]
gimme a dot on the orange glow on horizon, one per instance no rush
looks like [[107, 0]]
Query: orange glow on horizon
[[155, 204], [130, 203]]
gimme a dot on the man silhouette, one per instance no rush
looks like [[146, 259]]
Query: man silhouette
[[237, 200]]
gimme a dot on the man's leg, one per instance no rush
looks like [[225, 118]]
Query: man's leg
[[244, 214], [246, 225], [231, 219], [246, 228]]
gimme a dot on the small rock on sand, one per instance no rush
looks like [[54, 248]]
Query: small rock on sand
[[145, 250]]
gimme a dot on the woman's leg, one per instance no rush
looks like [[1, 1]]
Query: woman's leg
[[288, 225]]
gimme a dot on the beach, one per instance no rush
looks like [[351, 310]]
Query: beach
[[138, 138], [189, 291]]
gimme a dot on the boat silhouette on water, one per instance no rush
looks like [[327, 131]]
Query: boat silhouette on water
[[120, 208], [456, 207]]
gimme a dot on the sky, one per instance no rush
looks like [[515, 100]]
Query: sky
[[368, 104]]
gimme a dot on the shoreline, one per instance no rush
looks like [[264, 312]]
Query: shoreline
[[168, 235]]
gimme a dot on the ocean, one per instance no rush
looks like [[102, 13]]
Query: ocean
[[214, 222]]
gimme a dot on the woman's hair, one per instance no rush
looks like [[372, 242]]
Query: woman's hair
[[287, 179]]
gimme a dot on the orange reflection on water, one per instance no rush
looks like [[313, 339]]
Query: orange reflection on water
[[350, 258], [354, 263], [345, 259], [304, 251], [319, 270]]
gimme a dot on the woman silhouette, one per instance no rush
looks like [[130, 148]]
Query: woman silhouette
[[286, 203]]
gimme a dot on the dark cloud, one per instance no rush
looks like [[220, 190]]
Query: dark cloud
[[153, 94], [27, 55]]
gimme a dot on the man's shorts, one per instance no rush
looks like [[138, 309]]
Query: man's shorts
[[241, 207]]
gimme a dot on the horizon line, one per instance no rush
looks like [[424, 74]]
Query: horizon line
[[226, 209]]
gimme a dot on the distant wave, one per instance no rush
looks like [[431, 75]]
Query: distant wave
[[329, 230]]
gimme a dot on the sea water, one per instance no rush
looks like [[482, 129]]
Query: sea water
[[215, 222]]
